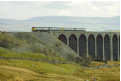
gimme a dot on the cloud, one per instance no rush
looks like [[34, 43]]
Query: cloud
[[25, 10], [56, 5], [64, 13], [106, 3]]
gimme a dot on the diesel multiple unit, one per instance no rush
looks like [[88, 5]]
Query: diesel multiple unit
[[46, 29]]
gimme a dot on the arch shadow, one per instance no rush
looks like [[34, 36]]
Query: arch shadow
[[107, 49], [82, 45], [63, 38], [73, 42], [115, 47], [91, 46], [99, 43]]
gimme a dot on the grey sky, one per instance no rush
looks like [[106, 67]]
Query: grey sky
[[25, 10]]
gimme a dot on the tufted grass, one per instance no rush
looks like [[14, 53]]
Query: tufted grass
[[62, 70], [29, 55], [8, 41], [41, 67], [14, 75], [48, 71], [32, 56]]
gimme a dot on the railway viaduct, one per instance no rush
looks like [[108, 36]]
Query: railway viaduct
[[102, 46]]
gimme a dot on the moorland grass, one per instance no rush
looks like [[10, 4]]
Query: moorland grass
[[41, 67], [32, 56], [103, 74]]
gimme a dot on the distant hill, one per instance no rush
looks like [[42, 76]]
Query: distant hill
[[75, 19], [90, 23]]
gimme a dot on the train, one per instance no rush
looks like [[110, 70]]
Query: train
[[46, 29]]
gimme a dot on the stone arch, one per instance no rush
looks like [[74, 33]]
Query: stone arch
[[73, 42], [91, 46], [107, 51], [63, 38], [115, 47], [99, 43], [82, 45]]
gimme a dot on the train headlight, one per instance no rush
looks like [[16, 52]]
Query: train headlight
[[62, 29], [33, 29]]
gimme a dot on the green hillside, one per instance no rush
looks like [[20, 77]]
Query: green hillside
[[24, 70], [42, 57]]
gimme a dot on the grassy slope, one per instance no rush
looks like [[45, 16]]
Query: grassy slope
[[17, 75], [46, 71], [30, 55], [62, 70], [40, 40]]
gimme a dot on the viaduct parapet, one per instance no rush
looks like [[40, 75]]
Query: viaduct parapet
[[101, 46]]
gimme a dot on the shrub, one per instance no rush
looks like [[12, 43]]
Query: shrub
[[119, 59], [78, 59], [70, 57], [86, 61], [9, 43], [4, 43], [36, 48]]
